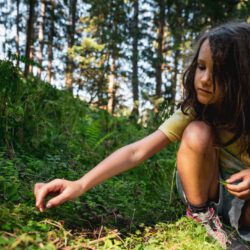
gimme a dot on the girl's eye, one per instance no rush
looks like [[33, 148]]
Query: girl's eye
[[201, 67]]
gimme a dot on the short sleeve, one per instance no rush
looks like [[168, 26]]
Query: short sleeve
[[174, 126]]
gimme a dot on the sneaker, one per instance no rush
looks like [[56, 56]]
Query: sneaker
[[212, 223]]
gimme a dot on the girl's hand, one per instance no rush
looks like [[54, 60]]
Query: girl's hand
[[64, 190], [242, 189]]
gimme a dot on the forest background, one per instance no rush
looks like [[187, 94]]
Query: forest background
[[79, 79]]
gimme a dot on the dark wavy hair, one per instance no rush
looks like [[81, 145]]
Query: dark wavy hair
[[230, 48]]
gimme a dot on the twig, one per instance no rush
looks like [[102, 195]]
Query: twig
[[104, 238]]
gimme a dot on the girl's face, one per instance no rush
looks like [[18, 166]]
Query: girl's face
[[203, 80]]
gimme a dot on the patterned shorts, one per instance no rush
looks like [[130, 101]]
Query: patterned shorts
[[228, 206]]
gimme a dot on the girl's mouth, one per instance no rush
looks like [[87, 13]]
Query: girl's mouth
[[203, 91]]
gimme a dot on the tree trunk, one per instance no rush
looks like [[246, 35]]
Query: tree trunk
[[135, 82], [50, 40], [41, 36], [174, 79], [160, 37], [100, 88], [177, 35], [111, 88], [17, 32], [29, 52], [5, 16], [71, 41]]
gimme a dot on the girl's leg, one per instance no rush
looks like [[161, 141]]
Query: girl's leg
[[197, 164]]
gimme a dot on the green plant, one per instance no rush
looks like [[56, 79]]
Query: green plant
[[46, 133]]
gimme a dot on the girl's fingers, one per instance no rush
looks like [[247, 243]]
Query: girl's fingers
[[241, 195], [240, 187], [37, 187], [243, 174], [235, 177], [59, 199], [42, 192]]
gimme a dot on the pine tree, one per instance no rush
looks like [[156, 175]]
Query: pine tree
[[71, 42], [51, 40], [135, 58], [30, 34], [41, 35]]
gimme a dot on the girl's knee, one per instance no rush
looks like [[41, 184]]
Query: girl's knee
[[198, 136]]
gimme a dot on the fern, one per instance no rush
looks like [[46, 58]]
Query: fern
[[93, 133]]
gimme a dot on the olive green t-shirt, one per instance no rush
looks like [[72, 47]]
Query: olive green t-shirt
[[174, 126]]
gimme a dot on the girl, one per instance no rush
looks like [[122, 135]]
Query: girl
[[213, 126]]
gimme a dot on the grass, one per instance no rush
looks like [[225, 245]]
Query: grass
[[23, 227], [224, 183]]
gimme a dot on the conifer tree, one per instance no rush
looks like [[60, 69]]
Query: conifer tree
[[30, 35], [43, 4], [71, 42], [135, 58], [51, 40]]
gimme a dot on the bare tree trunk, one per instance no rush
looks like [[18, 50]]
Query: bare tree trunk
[[50, 38], [135, 82], [111, 88], [160, 37], [29, 52], [5, 16], [17, 32], [71, 41], [101, 85], [41, 36], [177, 36], [174, 79]]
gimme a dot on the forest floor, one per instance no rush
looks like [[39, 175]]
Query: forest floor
[[23, 227]]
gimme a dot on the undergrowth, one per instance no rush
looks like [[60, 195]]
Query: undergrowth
[[45, 134], [30, 231]]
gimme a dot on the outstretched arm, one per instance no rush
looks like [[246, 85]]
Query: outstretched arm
[[121, 160]]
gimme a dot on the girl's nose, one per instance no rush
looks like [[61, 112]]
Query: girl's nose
[[206, 78]]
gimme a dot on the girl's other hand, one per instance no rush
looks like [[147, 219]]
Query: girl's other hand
[[240, 189], [63, 189]]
